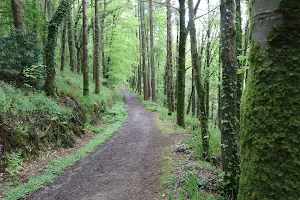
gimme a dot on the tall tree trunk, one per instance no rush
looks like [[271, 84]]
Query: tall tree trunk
[[270, 128], [239, 51], [143, 37], [199, 84], [53, 26], [181, 66], [207, 61], [140, 49], [153, 88], [17, 15], [63, 47], [71, 42], [228, 98], [102, 41], [148, 64], [193, 94], [96, 49], [169, 60], [85, 70]]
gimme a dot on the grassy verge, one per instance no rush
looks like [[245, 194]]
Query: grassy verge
[[116, 116], [189, 177]]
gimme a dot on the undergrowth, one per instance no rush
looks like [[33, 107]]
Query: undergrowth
[[34, 123], [193, 178], [52, 169]]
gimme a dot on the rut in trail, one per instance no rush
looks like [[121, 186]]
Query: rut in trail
[[121, 169]]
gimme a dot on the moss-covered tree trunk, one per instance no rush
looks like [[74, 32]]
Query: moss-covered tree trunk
[[270, 125], [239, 51], [96, 49], [71, 42], [181, 66], [53, 26], [199, 84], [228, 98], [63, 48], [169, 60], [85, 71]]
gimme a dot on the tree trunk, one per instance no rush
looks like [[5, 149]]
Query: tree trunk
[[143, 37], [199, 84], [239, 51], [228, 98], [193, 94], [17, 15], [102, 25], [181, 66], [71, 42], [54, 23], [153, 88], [169, 60], [270, 129], [96, 49], [63, 48], [207, 62], [85, 71]]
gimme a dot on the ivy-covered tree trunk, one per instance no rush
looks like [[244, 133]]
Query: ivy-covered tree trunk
[[17, 14], [270, 120], [85, 70], [96, 49], [169, 60], [199, 84], [63, 48], [230, 159], [239, 51], [54, 23], [181, 66], [153, 88], [71, 42]]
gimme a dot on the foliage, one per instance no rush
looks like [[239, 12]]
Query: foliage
[[19, 50]]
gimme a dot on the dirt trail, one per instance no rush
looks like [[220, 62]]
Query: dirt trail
[[121, 169]]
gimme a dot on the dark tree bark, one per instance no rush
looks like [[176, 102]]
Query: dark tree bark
[[199, 84], [181, 66], [63, 48], [153, 88], [17, 15], [270, 129], [54, 23], [193, 94], [85, 71], [96, 49], [143, 38], [229, 153], [169, 60], [71, 42]]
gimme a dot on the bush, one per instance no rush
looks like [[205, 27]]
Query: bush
[[19, 50]]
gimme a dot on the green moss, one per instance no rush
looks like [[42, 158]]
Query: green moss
[[270, 114]]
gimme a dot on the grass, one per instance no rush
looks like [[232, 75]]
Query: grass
[[187, 186], [52, 169]]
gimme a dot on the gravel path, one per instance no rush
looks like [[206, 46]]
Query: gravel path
[[121, 169]]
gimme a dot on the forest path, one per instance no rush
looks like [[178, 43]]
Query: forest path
[[124, 168]]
